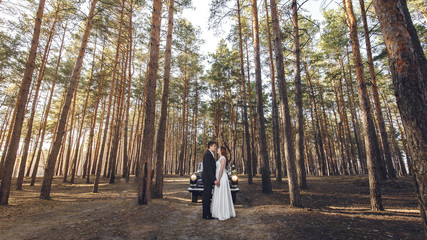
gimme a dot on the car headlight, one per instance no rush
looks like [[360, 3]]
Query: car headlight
[[234, 178], [193, 177]]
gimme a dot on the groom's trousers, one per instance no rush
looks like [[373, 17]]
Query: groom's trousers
[[207, 195]]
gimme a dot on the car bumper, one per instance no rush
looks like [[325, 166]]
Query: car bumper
[[201, 189]]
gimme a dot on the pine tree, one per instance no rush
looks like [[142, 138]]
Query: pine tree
[[51, 161]]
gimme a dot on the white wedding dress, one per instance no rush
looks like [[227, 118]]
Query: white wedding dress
[[222, 203]]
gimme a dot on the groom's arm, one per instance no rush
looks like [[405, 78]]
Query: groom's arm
[[207, 167], [215, 181]]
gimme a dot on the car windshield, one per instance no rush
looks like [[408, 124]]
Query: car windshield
[[200, 167]]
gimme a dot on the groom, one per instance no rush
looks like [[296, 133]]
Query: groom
[[208, 177]]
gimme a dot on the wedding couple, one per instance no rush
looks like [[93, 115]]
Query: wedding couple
[[214, 172]]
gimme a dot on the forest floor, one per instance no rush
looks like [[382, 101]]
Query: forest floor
[[334, 208]]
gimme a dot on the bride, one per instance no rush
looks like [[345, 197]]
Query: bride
[[222, 203]]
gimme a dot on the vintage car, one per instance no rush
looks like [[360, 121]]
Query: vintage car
[[196, 183]]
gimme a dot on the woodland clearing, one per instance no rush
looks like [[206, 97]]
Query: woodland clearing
[[335, 207]]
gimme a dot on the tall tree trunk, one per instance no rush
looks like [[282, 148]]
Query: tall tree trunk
[[317, 134], [345, 129], [76, 153], [10, 159], [308, 149], [354, 118], [405, 145], [5, 125], [98, 142], [110, 104], [107, 164], [316, 141], [340, 140], [391, 172], [354, 166], [184, 120], [125, 143], [299, 139], [196, 123], [33, 109], [47, 110], [276, 128], [61, 154], [408, 66], [48, 176], [397, 151], [265, 169], [93, 122], [245, 110], [371, 141], [324, 134], [116, 137], [251, 115], [338, 124], [70, 141], [294, 193], [150, 102], [6, 145], [118, 123], [161, 131]]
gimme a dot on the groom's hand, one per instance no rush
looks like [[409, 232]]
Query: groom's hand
[[216, 183]]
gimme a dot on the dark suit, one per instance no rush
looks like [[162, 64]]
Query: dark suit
[[208, 177]]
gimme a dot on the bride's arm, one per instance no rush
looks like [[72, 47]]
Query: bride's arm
[[221, 168]]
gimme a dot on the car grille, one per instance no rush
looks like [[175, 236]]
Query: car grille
[[199, 183]]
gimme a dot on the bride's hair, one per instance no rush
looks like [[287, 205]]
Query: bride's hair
[[224, 153]]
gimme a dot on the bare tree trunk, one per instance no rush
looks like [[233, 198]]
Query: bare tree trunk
[[276, 128], [70, 141], [161, 131], [48, 176], [39, 153], [76, 153], [317, 131], [299, 140], [251, 115], [107, 165], [344, 125], [308, 149], [196, 125], [61, 158], [294, 194], [316, 144], [93, 122], [408, 66], [324, 133], [98, 142], [371, 142], [391, 172], [118, 123], [348, 133], [265, 171], [150, 101], [110, 103], [125, 143], [10, 159], [6, 145], [354, 118], [338, 125], [5, 125], [33, 109], [184, 121], [245, 111], [397, 151]]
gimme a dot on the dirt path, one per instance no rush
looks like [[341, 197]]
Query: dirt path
[[334, 208]]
